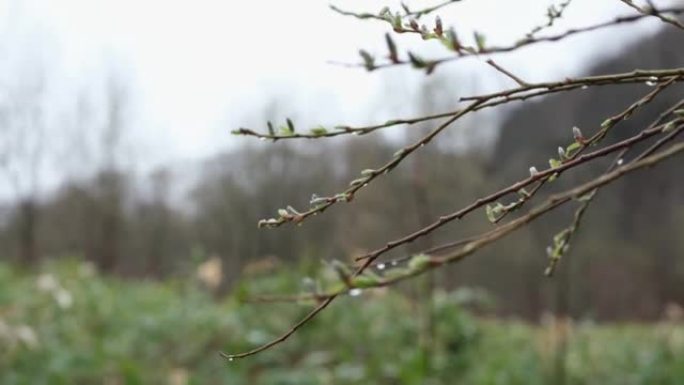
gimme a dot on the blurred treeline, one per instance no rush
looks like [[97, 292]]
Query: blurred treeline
[[626, 262]]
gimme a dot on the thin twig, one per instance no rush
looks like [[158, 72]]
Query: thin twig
[[580, 211], [652, 11], [370, 175], [607, 125], [542, 175], [382, 15], [571, 231], [516, 79], [522, 43], [495, 99], [553, 14]]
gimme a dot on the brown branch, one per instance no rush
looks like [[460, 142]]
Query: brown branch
[[652, 11], [505, 96], [434, 262], [558, 199], [653, 130], [580, 211], [607, 125], [542, 175], [422, 12], [553, 14], [555, 253], [570, 231], [463, 53], [382, 14], [516, 79], [657, 124], [525, 91]]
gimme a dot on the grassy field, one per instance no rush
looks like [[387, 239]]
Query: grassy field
[[65, 324]]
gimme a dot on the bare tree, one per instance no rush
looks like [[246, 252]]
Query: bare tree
[[111, 187], [23, 150]]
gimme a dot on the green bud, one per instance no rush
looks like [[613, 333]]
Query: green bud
[[419, 262]]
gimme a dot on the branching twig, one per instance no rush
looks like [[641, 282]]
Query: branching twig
[[563, 239], [320, 204], [553, 13], [386, 15], [652, 11], [463, 53], [493, 100], [541, 175], [516, 79], [573, 156], [653, 130], [428, 10], [582, 144], [434, 262]]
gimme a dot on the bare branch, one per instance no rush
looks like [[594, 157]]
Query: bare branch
[[470, 248], [319, 205], [494, 99], [473, 51], [653, 11], [516, 79], [666, 127]]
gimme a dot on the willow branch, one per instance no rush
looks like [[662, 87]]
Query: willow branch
[[606, 126], [625, 144], [552, 14], [493, 99], [319, 205], [470, 248], [385, 12], [563, 239], [652, 11], [542, 175], [465, 52]]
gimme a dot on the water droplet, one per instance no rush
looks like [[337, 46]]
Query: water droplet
[[422, 145], [262, 139], [381, 266], [619, 162], [394, 263], [652, 81], [230, 359], [584, 87], [355, 292]]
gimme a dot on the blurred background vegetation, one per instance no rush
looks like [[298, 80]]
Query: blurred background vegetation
[[123, 277], [70, 325]]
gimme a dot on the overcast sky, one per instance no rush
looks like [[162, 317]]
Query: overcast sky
[[200, 68]]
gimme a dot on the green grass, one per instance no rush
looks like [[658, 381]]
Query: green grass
[[131, 332]]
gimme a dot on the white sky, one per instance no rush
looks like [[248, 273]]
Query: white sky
[[200, 68]]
